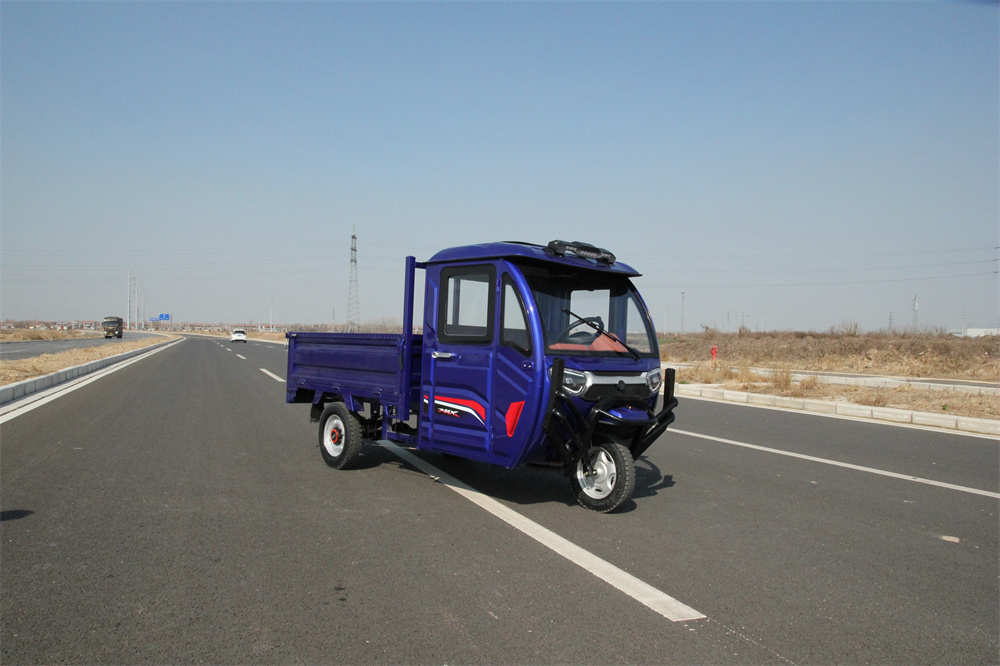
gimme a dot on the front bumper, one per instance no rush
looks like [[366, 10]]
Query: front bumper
[[571, 433]]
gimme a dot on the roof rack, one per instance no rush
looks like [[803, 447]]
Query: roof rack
[[583, 250]]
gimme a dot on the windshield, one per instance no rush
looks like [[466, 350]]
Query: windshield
[[586, 312]]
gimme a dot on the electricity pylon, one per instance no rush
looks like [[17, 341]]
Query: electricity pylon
[[353, 299]]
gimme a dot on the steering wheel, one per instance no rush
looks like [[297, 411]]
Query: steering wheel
[[582, 337]]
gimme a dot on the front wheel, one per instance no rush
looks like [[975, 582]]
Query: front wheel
[[611, 479], [339, 436]]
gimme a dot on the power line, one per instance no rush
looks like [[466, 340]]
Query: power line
[[729, 285]]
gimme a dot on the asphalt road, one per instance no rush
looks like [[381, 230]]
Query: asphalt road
[[178, 511], [16, 350]]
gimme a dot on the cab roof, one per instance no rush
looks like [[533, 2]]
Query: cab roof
[[562, 253]]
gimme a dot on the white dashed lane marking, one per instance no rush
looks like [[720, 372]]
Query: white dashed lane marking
[[271, 375]]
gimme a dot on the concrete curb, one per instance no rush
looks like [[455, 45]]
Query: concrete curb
[[12, 392], [887, 414], [861, 380]]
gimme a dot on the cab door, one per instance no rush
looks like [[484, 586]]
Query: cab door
[[518, 391], [480, 390], [459, 343]]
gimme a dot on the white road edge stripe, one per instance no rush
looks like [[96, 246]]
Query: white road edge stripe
[[271, 375], [835, 463], [642, 592]]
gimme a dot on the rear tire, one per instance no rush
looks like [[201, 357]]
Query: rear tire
[[339, 436], [613, 480]]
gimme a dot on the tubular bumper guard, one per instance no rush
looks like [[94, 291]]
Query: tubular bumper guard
[[571, 432]]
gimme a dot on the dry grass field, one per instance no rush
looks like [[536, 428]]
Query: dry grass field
[[899, 355], [904, 355], [12, 372], [921, 356], [26, 334]]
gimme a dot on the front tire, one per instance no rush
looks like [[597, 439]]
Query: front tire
[[339, 436], [613, 478]]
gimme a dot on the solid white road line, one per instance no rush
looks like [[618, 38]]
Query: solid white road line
[[835, 463], [271, 375], [642, 592]]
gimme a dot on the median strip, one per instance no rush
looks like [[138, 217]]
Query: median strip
[[42, 397], [12, 392]]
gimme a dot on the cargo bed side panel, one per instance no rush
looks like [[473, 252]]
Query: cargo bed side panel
[[360, 365]]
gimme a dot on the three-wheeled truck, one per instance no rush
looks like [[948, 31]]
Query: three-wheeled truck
[[529, 355]]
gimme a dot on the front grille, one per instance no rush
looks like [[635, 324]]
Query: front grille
[[609, 385]]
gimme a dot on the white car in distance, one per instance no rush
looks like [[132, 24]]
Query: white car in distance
[[238, 335]]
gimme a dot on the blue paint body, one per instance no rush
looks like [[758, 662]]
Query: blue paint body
[[499, 321]]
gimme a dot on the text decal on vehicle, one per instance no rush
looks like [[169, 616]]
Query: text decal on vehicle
[[455, 407]]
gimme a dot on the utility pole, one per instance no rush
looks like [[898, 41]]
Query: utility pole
[[128, 309], [135, 291], [140, 309], [134, 314], [682, 312], [270, 313]]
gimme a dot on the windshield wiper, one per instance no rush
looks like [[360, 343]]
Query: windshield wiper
[[603, 331]]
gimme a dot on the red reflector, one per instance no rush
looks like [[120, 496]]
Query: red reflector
[[513, 414]]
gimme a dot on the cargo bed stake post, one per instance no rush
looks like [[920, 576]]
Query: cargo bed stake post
[[409, 278]]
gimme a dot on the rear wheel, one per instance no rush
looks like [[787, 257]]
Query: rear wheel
[[611, 479], [339, 436]]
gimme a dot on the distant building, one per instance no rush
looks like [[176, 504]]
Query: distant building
[[981, 332]]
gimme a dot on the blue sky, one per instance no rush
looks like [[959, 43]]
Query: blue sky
[[797, 165]]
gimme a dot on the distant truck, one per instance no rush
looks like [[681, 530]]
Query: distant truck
[[530, 355], [113, 327]]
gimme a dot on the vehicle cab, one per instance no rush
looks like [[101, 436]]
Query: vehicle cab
[[543, 355]]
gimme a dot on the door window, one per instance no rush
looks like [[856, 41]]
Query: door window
[[467, 302], [514, 332]]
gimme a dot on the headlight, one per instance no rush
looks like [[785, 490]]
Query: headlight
[[653, 380], [574, 382]]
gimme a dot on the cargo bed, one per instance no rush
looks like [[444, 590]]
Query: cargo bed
[[355, 366]]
